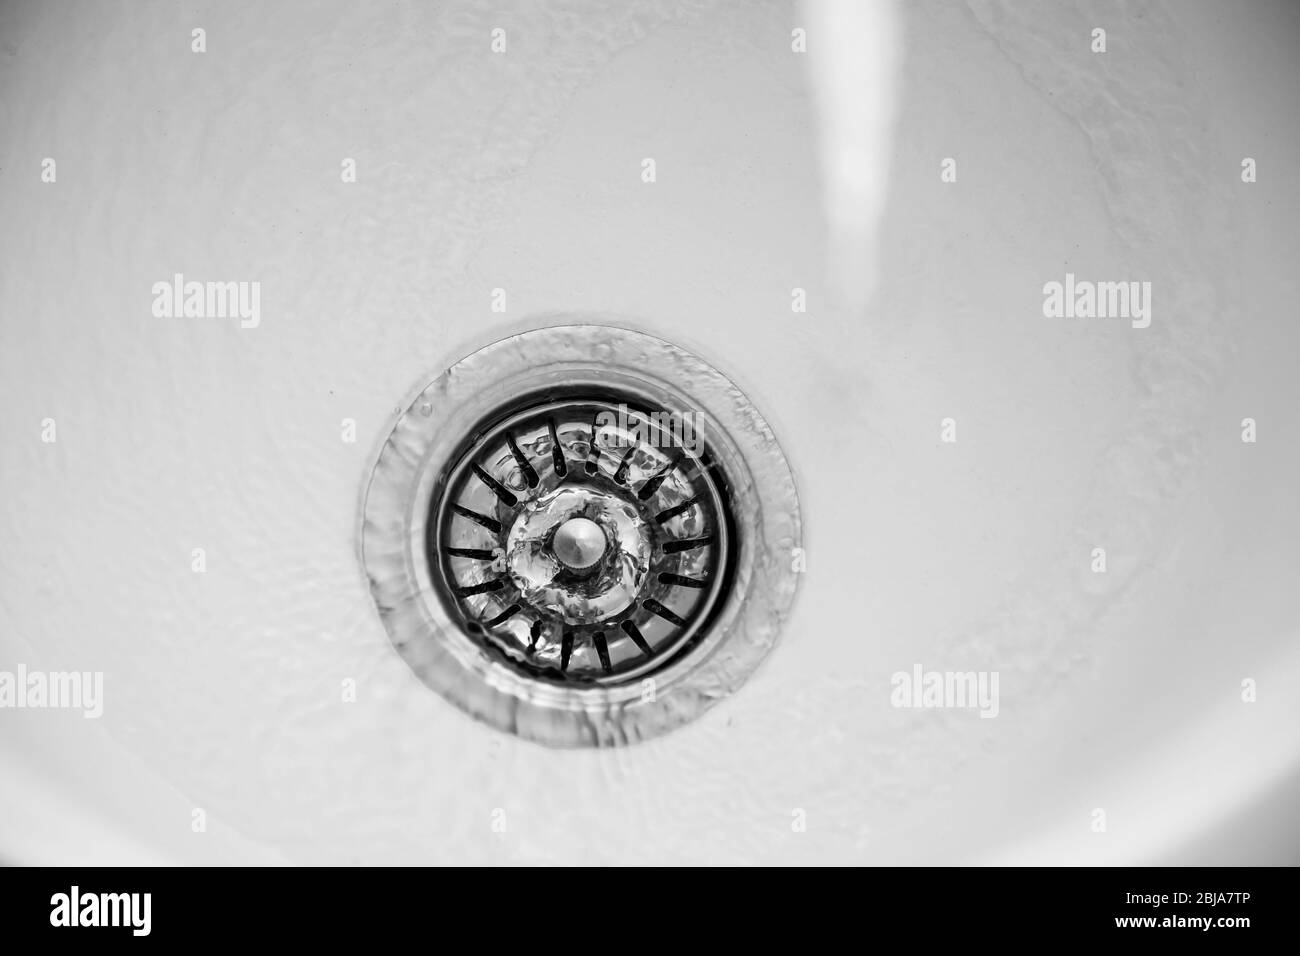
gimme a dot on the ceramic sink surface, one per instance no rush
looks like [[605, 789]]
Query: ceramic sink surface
[[523, 171]]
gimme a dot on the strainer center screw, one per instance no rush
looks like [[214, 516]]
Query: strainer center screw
[[579, 543]]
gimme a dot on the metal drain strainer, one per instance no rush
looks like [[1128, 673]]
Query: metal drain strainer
[[582, 535]]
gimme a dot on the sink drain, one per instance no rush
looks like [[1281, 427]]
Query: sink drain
[[581, 538], [581, 535]]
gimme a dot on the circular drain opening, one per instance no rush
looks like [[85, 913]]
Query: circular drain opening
[[582, 535]]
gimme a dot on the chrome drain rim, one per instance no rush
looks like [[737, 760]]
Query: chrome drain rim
[[455, 649], [651, 507]]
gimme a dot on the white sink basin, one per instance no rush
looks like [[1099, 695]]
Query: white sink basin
[[523, 171]]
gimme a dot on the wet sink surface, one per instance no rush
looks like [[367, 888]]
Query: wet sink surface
[[522, 172]]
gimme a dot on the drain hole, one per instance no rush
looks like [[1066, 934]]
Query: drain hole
[[484, 520], [566, 650], [496, 584], [683, 581], [593, 453], [557, 453], [500, 490], [652, 484], [686, 544], [477, 554], [669, 513], [601, 649], [505, 615], [631, 631], [525, 466], [620, 476], [654, 607]]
